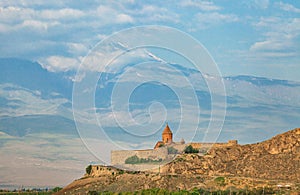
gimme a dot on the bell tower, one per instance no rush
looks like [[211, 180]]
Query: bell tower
[[167, 135]]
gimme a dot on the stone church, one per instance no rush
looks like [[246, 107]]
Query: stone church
[[167, 138], [164, 151]]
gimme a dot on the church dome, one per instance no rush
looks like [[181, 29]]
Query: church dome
[[167, 130], [167, 135]]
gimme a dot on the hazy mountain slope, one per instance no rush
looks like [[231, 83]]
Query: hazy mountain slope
[[32, 76], [28, 89], [23, 125]]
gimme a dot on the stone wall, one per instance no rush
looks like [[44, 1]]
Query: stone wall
[[178, 146], [101, 170], [118, 157]]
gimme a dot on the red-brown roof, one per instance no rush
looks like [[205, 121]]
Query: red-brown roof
[[167, 130]]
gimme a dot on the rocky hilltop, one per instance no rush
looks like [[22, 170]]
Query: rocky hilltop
[[276, 159], [271, 163]]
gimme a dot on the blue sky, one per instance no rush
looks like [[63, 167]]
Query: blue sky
[[259, 38]]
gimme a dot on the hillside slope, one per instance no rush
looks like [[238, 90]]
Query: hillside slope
[[263, 164], [276, 159]]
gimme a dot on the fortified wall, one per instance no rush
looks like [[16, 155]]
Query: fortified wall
[[163, 151], [118, 157], [102, 170]]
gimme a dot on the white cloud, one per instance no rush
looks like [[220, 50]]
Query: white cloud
[[65, 13], [202, 5], [17, 18], [262, 4], [280, 35], [77, 48], [153, 13], [4, 28], [40, 26], [288, 7], [273, 45], [99, 60], [205, 20], [124, 18], [32, 3], [13, 15], [60, 63], [105, 14], [27, 102], [113, 57]]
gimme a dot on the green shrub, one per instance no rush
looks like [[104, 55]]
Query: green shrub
[[136, 160], [220, 181], [88, 169], [93, 193], [189, 149], [172, 150], [132, 160], [56, 189], [161, 145]]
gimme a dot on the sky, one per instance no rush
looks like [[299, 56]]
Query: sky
[[260, 38]]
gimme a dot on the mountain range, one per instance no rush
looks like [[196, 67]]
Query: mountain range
[[36, 111]]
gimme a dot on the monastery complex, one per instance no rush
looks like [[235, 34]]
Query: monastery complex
[[163, 152]]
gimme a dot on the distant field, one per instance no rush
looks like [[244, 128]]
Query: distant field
[[31, 192], [27, 193]]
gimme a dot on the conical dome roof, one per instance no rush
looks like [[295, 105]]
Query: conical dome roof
[[167, 130]]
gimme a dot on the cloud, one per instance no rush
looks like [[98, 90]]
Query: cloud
[[71, 28], [17, 18], [98, 60], [202, 5], [262, 4], [65, 13], [76, 48], [270, 45], [288, 7], [25, 102], [60, 63], [14, 15], [36, 25], [107, 15], [153, 13], [206, 20], [280, 37], [124, 18], [32, 3]]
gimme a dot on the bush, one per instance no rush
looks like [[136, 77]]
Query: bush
[[189, 149], [172, 150], [132, 160], [161, 145], [136, 160], [93, 193], [56, 189], [88, 169], [220, 181]]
